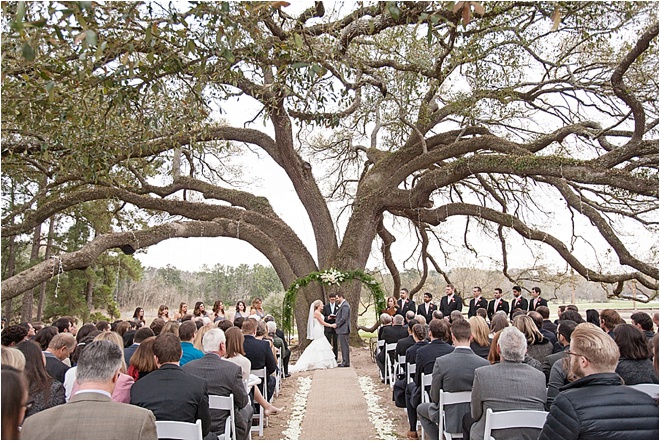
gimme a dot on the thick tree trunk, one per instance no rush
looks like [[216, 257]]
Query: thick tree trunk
[[11, 267], [88, 293], [42, 288], [28, 297]]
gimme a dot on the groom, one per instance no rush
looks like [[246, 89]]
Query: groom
[[343, 329]]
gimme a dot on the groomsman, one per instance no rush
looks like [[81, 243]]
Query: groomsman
[[426, 309], [518, 301], [330, 315], [404, 304], [450, 302], [497, 304], [476, 302], [536, 299]]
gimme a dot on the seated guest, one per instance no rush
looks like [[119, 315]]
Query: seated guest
[[425, 360], [593, 317], [14, 392], [494, 355], [571, 314], [538, 321], [564, 330], [157, 325], [102, 326], [480, 343], [455, 315], [497, 323], [452, 373], [44, 391], [403, 344], [169, 392], [545, 315], [46, 334], [13, 335], [410, 315], [187, 334], [644, 322], [142, 361], [508, 385], [223, 378], [91, 413], [385, 320], [596, 405], [140, 335], [538, 347], [59, 348], [14, 358], [635, 366], [391, 334], [609, 318], [280, 344], [481, 312], [419, 337], [437, 314], [259, 354]]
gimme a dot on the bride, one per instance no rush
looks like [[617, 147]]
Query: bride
[[318, 355]]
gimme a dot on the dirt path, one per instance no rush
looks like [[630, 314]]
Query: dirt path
[[342, 403]]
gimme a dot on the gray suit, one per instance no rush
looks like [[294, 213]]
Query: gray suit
[[452, 373], [91, 415], [343, 322], [223, 378], [506, 386]]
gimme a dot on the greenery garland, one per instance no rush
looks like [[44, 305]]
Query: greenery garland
[[330, 277]]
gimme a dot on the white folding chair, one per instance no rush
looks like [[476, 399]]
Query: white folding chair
[[225, 403], [400, 365], [260, 417], [179, 430], [510, 419], [411, 368], [389, 368], [653, 390], [278, 376], [380, 346], [447, 398], [427, 379]]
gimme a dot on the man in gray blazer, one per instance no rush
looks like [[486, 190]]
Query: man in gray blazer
[[91, 414], [453, 372], [343, 329], [507, 385], [223, 378]]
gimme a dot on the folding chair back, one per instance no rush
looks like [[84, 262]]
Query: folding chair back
[[447, 398], [389, 368], [179, 430], [648, 388], [411, 368], [511, 419], [263, 387], [225, 403]]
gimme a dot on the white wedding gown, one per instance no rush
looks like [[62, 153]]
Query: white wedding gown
[[318, 355]]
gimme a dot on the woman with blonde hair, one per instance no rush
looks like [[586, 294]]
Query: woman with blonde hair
[[14, 358], [172, 327], [235, 353], [538, 347], [257, 308], [480, 343], [122, 392], [200, 334]]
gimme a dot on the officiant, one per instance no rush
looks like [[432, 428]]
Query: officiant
[[329, 315]]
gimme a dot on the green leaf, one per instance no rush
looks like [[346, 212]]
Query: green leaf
[[394, 10], [20, 11], [228, 55], [28, 52], [90, 37], [298, 40], [147, 35], [299, 65]]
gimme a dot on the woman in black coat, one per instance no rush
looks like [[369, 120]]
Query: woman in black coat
[[635, 366]]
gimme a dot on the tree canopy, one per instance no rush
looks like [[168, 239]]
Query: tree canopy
[[513, 116]]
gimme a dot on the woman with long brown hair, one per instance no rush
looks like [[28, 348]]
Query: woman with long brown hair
[[218, 311], [142, 362], [44, 391], [181, 313], [14, 402]]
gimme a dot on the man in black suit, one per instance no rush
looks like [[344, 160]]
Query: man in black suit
[[223, 378], [169, 392], [536, 299], [391, 334], [518, 302], [450, 301], [424, 360], [259, 353], [403, 344], [476, 302], [404, 304], [497, 304], [329, 315], [426, 309], [140, 335]]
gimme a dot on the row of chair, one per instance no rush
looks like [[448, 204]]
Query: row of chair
[[181, 430]]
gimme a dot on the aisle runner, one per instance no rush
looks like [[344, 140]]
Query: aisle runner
[[336, 408]]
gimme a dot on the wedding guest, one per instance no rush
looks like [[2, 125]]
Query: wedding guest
[[142, 361], [241, 310], [538, 346], [385, 320], [564, 330], [171, 327], [454, 316], [140, 335], [197, 343], [187, 334], [545, 315], [44, 391], [59, 348], [643, 321], [224, 325], [138, 315], [571, 314], [46, 334], [91, 413], [497, 323], [655, 354], [14, 402], [238, 322], [181, 313], [164, 312], [391, 334], [122, 328], [13, 335], [609, 318], [635, 365], [66, 324], [593, 317], [281, 345], [199, 310], [391, 307], [14, 358], [257, 308], [480, 343], [259, 353]]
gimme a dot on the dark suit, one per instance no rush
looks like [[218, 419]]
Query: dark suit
[[391, 334], [55, 367], [472, 309], [424, 359], [90, 415], [403, 345], [404, 306], [446, 306], [503, 305], [550, 360], [548, 325], [329, 332], [535, 303], [173, 395], [519, 302], [224, 378], [128, 353], [260, 356], [452, 373], [421, 310]]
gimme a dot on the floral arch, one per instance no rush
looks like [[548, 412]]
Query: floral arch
[[330, 277]]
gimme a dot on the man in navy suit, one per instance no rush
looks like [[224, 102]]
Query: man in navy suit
[[536, 299], [169, 392], [450, 301], [259, 353], [476, 302], [424, 360]]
